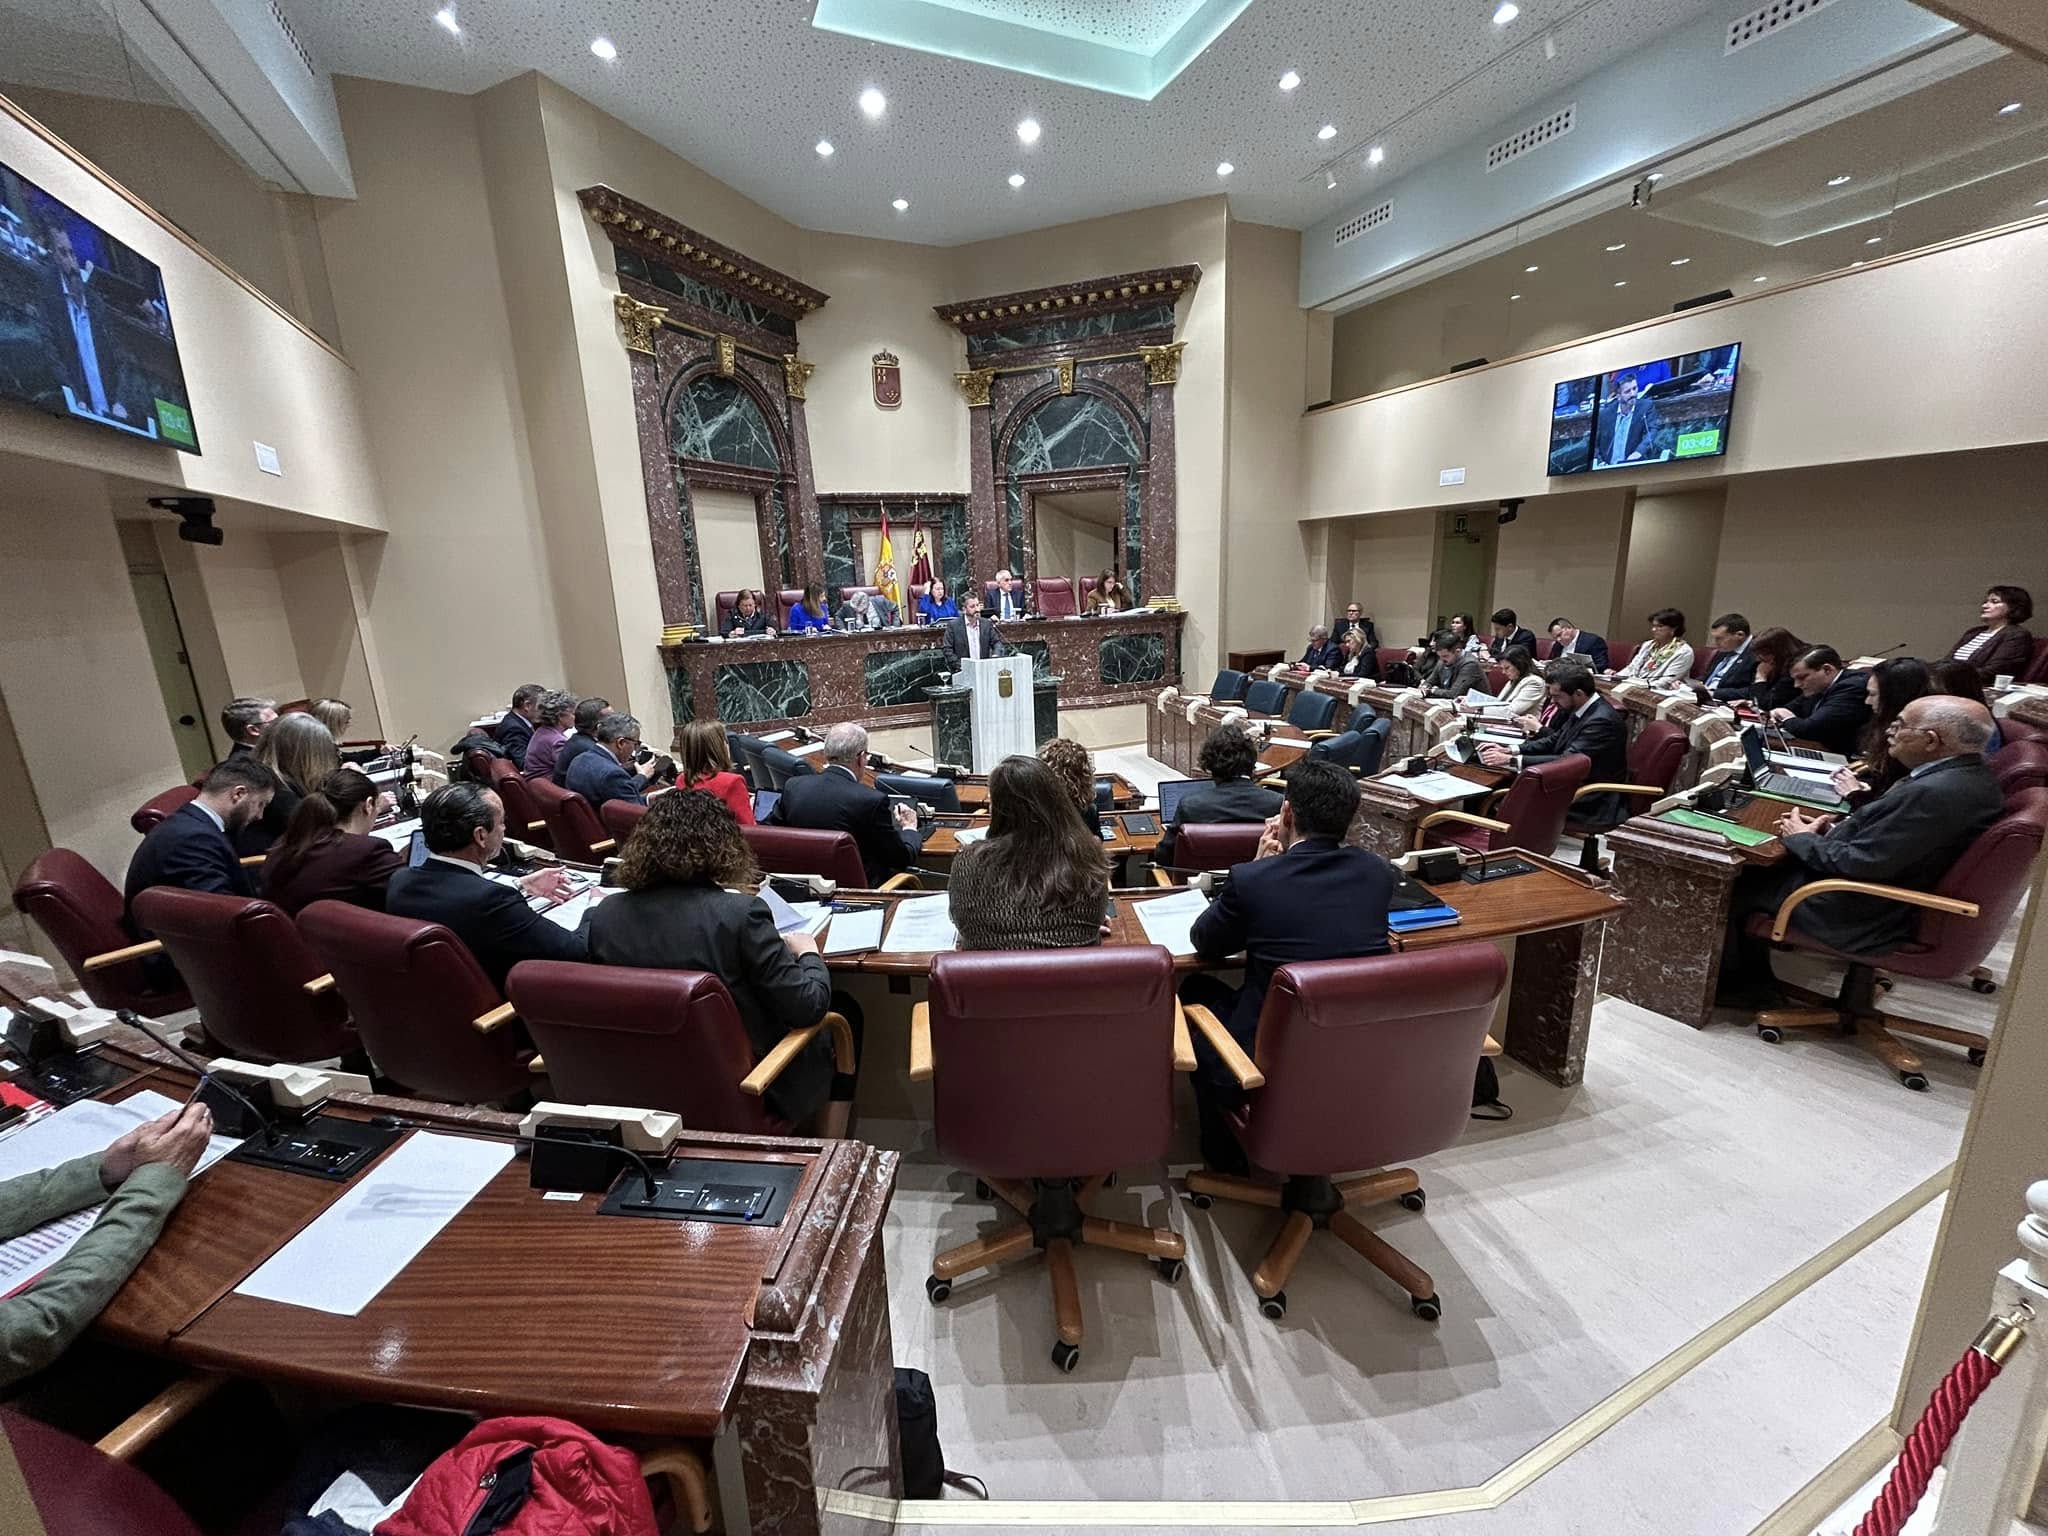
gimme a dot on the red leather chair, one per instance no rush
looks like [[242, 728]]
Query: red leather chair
[[2037, 664], [157, 807], [476, 762], [830, 855], [2020, 765], [523, 817], [614, 1034], [1960, 920], [1389, 655], [80, 913], [1051, 1070], [573, 827], [1358, 1064], [846, 594], [1088, 585], [1054, 597], [786, 599], [261, 993], [1654, 758], [423, 1007], [1545, 649], [2019, 730], [1496, 679], [1703, 661], [1200, 845], [79, 1489], [1530, 815], [619, 818]]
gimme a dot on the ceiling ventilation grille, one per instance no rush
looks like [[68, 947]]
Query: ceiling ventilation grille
[[1768, 21], [1371, 219], [291, 36], [1534, 137]]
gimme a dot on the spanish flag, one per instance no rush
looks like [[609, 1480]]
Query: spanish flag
[[885, 566]]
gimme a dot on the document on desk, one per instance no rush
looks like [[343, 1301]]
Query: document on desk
[[1435, 788], [570, 914], [399, 833], [854, 933], [922, 923], [362, 1242], [795, 916], [1168, 921]]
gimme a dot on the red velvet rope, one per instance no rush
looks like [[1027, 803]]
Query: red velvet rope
[[1928, 1443]]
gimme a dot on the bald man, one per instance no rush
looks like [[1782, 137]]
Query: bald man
[[1910, 836]]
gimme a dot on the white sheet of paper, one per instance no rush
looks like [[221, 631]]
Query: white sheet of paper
[[774, 736], [808, 749], [924, 923], [854, 932], [16, 957], [399, 833], [967, 837], [795, 917], [1437, 788], [363, 1241], [1288, 741], [570, 914], [1168, 919]]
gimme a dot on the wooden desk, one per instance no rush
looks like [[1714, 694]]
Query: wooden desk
[[1388, 813], [973, 790], [944, 841]]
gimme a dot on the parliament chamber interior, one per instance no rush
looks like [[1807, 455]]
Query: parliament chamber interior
[[775, 768]]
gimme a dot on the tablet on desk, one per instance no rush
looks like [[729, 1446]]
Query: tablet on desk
[[1172, 792]]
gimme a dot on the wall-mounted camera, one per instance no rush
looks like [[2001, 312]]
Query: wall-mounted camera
[[195, 517], [1510, 509]]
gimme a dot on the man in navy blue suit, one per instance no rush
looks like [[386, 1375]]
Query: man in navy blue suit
[[1574, 641], [193, 848], [1306, 896]]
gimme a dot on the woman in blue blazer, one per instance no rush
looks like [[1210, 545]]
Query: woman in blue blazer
[[935, 607]]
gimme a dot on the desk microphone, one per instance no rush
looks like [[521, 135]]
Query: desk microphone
[[207, 1076]]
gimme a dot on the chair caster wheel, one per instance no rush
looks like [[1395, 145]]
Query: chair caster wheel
[[1066, 1356], [1200, 1202], [1414, 1200], [982, 1191], [1976, 1056], [1428, 1308], [936, 1289], [1983, 984], [1914, 1080], [1273, 1306], [1768, 1035], [1170, 1270]]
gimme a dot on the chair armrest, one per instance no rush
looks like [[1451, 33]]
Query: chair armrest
[[683, 1470], [1619, 789], [1320, 735], [921, 1063], [485, 1023], [1273, 781], [1491, 1048], [792, 1044], [537, 826], [1242, 1067], [1183, 1046], [536, 1066], [122, 956], [1948, 904], [604, 846], [135, 1432], [1436, 818], [320, 984], [1161, 877], [903, 880], [252, 860]]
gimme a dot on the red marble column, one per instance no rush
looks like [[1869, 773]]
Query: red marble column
[[986, 543]]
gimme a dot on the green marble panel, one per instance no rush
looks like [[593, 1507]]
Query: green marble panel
[[748, 691], [715, 420], [681, 703], [1133, 658], [659, 275], [953, 727], [901, 677]]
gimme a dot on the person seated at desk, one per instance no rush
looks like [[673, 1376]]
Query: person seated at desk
[[747, 618], [1355, 617], [935, 607], [1526, 691], [1776, 649], [1570, 640], [137, 1182], [243, 721], [193, 848], [1960, 679], [1006, 597], [298, 751], [1733, 671], [583, 739], [1111, 595], [327, 852], [1507, 634], [1664, 658], [842, 798], [556, 717], [1323, 653], [610, 773], [1070, 762], [1357, 660], [2000, 645], [867, 610], [1457, 671], [1040, 879], [1583, 723], [1306, 896], [1830, 710], [971, 637], [1891, 686], [516, 729], [706, 763], [1466, 628], [1910, 836], [464, 828], [810, 614], [687, 902], [335, 714], [1229, 760]]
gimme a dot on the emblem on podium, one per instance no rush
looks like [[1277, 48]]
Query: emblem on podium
[[888, 381]]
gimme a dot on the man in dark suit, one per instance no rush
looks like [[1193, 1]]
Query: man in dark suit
[[1910, 836], [1307, 896], [1833, 705], [1508, 632], [193, 848], [971, 637], [581, 740], [609, 773], [1457, 671], [464, 827], [516, 729], [1628, 425], [843, 798], [1574, 641], [1322, 651], [244, 721], [1229, 759], [1585, 724], [1006, 598], [1733, 673]]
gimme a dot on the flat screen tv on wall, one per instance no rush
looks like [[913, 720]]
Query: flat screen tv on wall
[[85, 330], [1658, 412]]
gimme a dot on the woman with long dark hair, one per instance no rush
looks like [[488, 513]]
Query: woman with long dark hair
[[1960, 679], [1775, 648], [299, 752], [1890, 687], [327, 852], [1040, 878]]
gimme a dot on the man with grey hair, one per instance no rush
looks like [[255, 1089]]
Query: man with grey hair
[[1322, 651], [609, 772], [843, 798], [1909, 836]]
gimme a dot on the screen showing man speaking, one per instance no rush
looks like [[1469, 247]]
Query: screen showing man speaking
[[1649, 413]]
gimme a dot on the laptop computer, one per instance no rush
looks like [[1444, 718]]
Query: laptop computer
[[1172, 792], [1810, 785], [1785, 755]]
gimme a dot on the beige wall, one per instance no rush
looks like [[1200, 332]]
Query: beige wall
[[1561, 558], [323, 610], [1674, 543], [1075, 534], [1393, 571]]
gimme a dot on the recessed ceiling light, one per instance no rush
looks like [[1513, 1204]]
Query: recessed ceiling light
[[901, 205], [1289, 80], [1327, 131], [1224, 168], [1505, 12], [1619, 245], [1759, 278], [1681, 261], [1512, 297], [444, 18], [1028, 131], [1622, 284], [1016, 178], [2009, 108], [1375, 155], [1329, 181], [873, 102], [824, 148], [1840, 181], [604, 48], [1875, 240], [1530, 269]]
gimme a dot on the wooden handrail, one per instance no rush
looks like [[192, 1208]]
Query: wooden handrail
[[791, 1045], [904, 880], [320, 984], [502, 1014], [1783, 921], [1242, 1067], [921, 1063], [1183, 1046], [122, 956]]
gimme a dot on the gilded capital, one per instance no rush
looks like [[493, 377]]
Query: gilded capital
[[639, 322], [794, 374], [977, 384], [1162, 364], [1065, 368], [728, 356]]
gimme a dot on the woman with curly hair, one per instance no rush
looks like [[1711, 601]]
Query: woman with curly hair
[[687, 904], [1075, 769], [1040, 878]]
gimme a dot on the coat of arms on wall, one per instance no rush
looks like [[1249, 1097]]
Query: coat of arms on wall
[[888, 381]]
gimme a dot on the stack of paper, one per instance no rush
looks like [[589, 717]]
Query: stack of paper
[[796, 917], [1169, 920], [1435, 788], [854, 933], [921, 924]]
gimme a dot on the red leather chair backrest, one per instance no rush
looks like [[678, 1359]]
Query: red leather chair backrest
[[246, 967], [476, 762], [620, 817], [572, 821], [80, 913], [157, 807], [79, 1490], [1536, 806], [522, 808], [614, 1034], [2037, 663], [1055, 596], [1656, 755], [801, 851], [1993, 872], [785, 600], [1545, 649], [1088, 587], [725, 603], [1216, 845], [846, 593], [1052, 1063], [414, 989], [1390, 654], [1369, 1062], [2020, 765], [2019, 730], [1703, 661], [1496, 679]]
